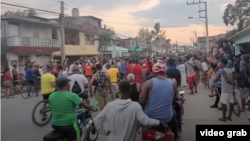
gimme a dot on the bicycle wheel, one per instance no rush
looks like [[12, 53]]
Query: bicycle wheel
[[26, 90], [236, 109], [43, 112], [89, 134]]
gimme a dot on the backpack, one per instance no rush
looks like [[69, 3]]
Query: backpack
[[76, 88]]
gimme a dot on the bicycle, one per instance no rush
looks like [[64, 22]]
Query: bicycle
[[31, 90], [43, 112]]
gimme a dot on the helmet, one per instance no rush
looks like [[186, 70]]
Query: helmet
[[62, 81], [159, 67]]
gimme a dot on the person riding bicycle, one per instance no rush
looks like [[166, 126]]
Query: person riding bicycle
[[77, 83], [47, 83], [62, 104], [157, 97]]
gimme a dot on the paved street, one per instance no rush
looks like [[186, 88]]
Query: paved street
[[17, 123]]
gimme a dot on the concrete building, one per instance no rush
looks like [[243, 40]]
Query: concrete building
[[201, 42], [28, 39]]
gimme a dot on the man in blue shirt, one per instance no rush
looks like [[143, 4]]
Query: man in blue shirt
[[29, 72], [123, 68]]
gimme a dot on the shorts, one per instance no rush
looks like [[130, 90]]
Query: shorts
[[191, 79], [244, 93], [46, 96], [211, 81], [102, 98], [72, 131], [115, 87], [226, 98], [89, 76]]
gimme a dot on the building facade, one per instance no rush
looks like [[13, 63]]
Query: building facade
[[28, 39]]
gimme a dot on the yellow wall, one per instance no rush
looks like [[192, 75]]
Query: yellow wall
[[82, 49]]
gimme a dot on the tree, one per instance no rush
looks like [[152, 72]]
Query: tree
[[104, 41], [236, 13], [145, 35], [231, 33], [19, 13], [31, 12]]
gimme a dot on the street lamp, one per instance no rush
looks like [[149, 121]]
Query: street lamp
[[207, 38], [196, 19]]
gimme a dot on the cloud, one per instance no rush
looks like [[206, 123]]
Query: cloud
[[141, 13]]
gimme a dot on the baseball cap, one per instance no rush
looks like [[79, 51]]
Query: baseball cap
[[62, 81]]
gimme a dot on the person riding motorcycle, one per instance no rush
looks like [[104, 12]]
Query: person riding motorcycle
[[62, 104], [157, 98]]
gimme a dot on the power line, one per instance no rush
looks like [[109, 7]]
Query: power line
[[140, 25], [82, 3], [200, 8], [29, 8], [38, 12], [49, 6], [141, 17]]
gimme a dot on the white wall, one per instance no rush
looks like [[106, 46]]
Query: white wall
[[11, 56], [28, 30]]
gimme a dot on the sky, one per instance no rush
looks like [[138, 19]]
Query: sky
[[127, 16]]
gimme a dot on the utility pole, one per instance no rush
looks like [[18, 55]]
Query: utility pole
[[61, 17], [206, 20]]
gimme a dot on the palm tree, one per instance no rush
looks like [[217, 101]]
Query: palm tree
[[104, 41]]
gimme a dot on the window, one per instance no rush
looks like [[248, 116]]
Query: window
[[23, 59], [72, 37], [89, 39]]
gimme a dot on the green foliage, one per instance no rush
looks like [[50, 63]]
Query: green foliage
[[19, 13], [104, 40], [236, 13], [231, 33], [148, 36]]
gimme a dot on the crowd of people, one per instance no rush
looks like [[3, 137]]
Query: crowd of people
[[145, 89]]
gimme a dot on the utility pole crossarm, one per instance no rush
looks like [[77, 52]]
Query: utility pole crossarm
[[206, 20]]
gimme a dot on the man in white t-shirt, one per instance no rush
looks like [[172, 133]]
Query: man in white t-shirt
[[77, 83], [181, 67], [71, 68]]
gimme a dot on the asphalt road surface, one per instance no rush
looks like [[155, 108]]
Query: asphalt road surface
[[17, 124]]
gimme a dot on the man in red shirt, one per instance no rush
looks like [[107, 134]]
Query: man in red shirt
[[137, 71], [149, 66], [128, 68]]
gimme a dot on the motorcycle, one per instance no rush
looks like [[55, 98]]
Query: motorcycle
[[85, 120], [156, 133]]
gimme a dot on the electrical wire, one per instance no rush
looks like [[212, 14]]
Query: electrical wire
[[82, 3], [141, 17], [29, 8], [140, 25], [200, 8]]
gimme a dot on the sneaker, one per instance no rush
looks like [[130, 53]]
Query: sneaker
[[213, 106]]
